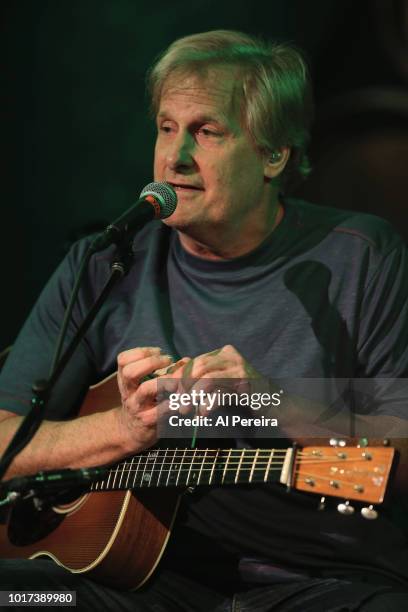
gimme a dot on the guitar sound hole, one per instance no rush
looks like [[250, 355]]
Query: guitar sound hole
[[28, 524]]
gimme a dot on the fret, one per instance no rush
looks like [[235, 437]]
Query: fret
[[215, 461], [101, 485], [114, 486], [144, 463], [220, 466], [254, 460], [108, 485], [170, 475], [106, 482], [226, 466], [239, 465], [199, 466], [231, 465], [268, 465], [243, 465], [146, 477], [122, 469], [155, 473], [148, 471], [130, 468], [180, 467], [191, 466], [154, 458], [161, 468], [202, 465], [134, 486]]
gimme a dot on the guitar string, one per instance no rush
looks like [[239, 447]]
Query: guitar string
[[258, 469], [264, 460], [155, 452], [227, 465], [246, 461], [242, 459], [154, 456], [341, 482]]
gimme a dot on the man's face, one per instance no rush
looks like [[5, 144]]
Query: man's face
[[207, 155]]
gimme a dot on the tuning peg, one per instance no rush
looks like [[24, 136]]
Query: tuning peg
[[322, 503], [345, 508], [362, 442], [369, 512], [335, 442]]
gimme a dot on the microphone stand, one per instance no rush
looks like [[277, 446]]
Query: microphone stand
[[42, 388]]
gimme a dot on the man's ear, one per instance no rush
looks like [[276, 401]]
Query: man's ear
[[275, 161]]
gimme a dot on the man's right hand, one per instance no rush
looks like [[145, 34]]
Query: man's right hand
[[139, 413]]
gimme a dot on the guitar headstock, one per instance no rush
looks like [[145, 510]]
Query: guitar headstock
[[348, 472]]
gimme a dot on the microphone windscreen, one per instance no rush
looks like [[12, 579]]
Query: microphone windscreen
[[164, 194]]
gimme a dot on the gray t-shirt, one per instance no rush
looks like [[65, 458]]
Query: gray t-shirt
[[325, 296]]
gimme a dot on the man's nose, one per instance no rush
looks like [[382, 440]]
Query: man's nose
[[181, 152]]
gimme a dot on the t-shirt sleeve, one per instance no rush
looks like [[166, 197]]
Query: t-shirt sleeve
[[32, 353]]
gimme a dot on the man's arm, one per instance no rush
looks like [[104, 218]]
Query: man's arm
[[99, 438], [86, 441]]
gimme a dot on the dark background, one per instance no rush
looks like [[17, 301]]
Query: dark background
[[77, 142]]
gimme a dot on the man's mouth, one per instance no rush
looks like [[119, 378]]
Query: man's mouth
[[185, 186]]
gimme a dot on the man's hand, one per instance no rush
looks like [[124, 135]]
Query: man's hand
[[139, 413], [225, 362], [224, 368]]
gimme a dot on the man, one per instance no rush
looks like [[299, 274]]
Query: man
[[239, 282]]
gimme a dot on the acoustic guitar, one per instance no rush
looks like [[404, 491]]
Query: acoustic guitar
[[116, 530]]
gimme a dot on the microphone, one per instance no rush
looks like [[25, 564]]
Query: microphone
[[156, 201]]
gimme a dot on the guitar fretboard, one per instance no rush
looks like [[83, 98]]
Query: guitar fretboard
[[190, 467]]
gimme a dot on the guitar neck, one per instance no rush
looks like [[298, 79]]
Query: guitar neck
[[352, 473], [191, 467]]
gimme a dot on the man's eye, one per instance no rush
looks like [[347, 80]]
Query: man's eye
[[165, 128], [208, 133]]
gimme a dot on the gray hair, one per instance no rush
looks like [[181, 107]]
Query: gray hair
[[277, 106]]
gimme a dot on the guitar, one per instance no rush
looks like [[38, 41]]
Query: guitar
[[116, 531]]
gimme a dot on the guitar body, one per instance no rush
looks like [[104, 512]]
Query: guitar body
[[117, 537], [114, 534], [117, 531]]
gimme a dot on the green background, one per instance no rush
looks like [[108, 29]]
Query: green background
[[77, 141]]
